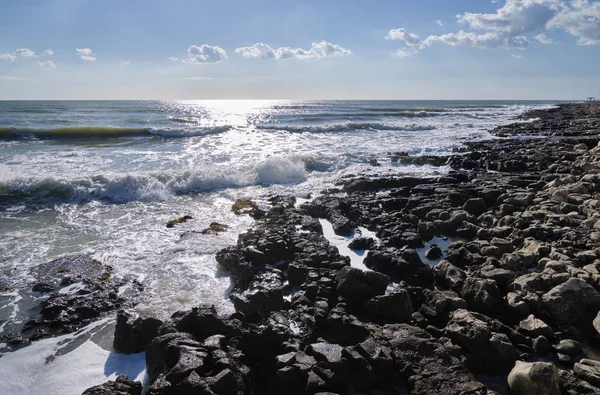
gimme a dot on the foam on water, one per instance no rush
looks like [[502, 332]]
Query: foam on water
[[67, 365]]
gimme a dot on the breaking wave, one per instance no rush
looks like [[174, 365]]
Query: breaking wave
[[106, 132], [346, 127]]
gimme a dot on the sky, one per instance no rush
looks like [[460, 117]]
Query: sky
[[311, 49]]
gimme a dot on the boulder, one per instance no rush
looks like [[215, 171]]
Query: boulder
[[121, 386], [358, 286], [362, 243], [475, 206], [481, 294], [264, 294], [589, 371], [395, 307], [572, 302], [133, 334], [538, 378], [534, 327]]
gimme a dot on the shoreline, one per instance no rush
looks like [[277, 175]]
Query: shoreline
[[524, 287]]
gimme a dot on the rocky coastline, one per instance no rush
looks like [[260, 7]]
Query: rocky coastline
[[510, 306]]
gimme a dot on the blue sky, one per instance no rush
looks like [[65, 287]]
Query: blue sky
[[230, 49]]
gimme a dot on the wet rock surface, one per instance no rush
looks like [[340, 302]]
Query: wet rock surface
[[519, 283], [71, 292]]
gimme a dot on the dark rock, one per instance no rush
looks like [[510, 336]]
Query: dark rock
[[264, 294], [481, 294], [362, 243], [572, 302], [358, 286], [177, 221], [535, 327], [394, 307], [476, 206], [589, 371], [132, 335], [434, 252], [534, 378], [121, 386]]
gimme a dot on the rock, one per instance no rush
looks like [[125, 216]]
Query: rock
[[572, 385], [394, 307], [215, 228], [487, 351], [450, 275], [589, 371], [358, 286], [434, 252], [264, 294], [481, 294], [534, 327], [536, 378], [121, 386], [475, 206], [572, 302], [362, 243], [177, 221], [133, 334], [596, 323], [568, 347]]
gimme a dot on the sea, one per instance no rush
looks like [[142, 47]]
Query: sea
[[103, 178]]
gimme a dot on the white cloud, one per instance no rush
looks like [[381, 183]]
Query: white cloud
[[410, 39], [514, 24], [47, 64], [198, 78], [8, 56], [26, 53], [485, 41], [204, 54], [48, 52], [543, 39], [318, 50], [516, 56], [126, 62], [582, 20], [440, 23], [172, 59], [85, 54], [403, 53]]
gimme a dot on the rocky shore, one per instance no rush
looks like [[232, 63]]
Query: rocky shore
[[510, 306]]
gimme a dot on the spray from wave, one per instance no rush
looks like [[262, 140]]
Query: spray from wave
[[107, 132]]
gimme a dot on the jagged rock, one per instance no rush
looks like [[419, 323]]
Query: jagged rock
[[571, 385], [121, 386], [574, 301], [362, 243], [475, 206], [434, 252], [487, 351], [133, 334], [589, 371], [568, 347], [264, 294], [536, 378], [481, 294], [533, 327], [358, 286], [394, 307]]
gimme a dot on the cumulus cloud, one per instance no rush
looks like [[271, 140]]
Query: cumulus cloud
[[543, 39], [403, 53], [8, 56], [410, 39], [514, 24], [86, 54], [581, 20], [440, 23], [485, 41], [204, 54], [47, 64], [318, 50], [48, 52], [26, 53]]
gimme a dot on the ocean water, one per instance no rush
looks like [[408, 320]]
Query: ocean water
[[104, 177]]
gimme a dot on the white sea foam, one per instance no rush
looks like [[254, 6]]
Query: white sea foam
[[66, 365]]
